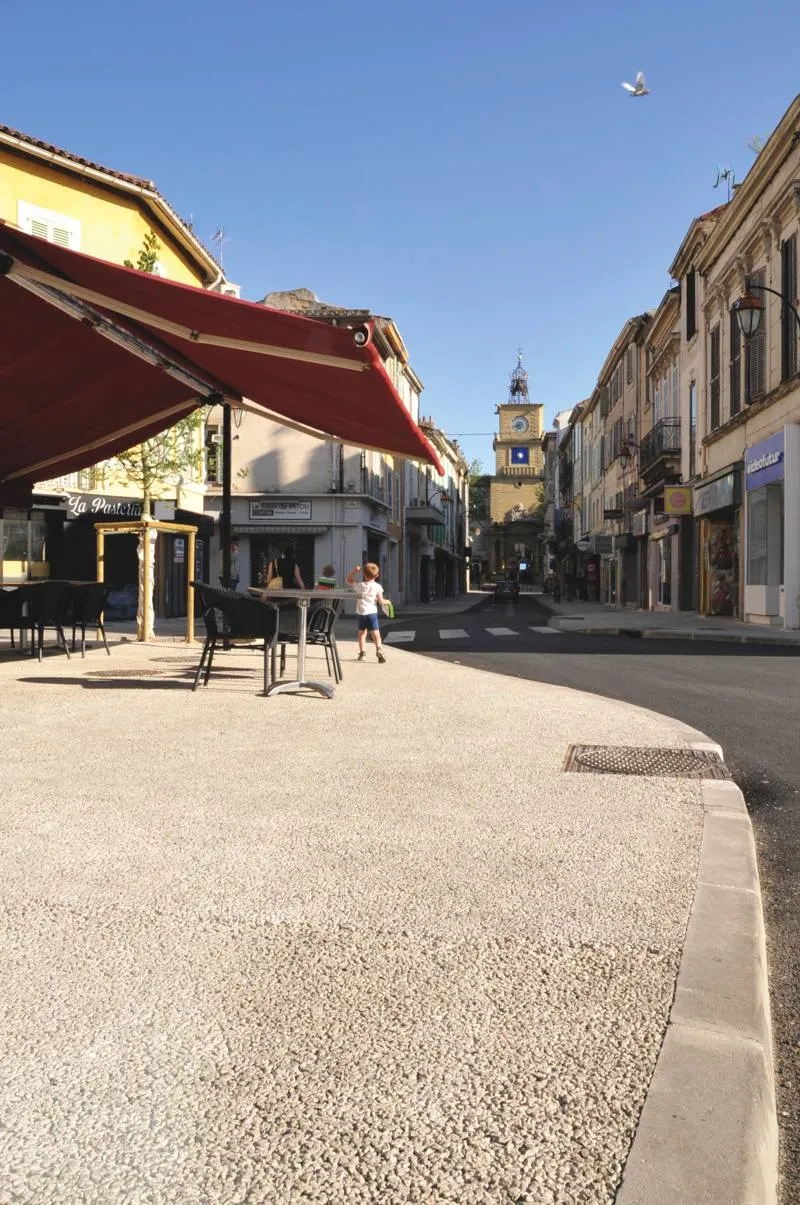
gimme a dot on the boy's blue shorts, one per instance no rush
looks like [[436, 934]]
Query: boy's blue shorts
[[368, 623]]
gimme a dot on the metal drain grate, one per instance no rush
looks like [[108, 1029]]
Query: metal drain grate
[[626, 759], [127, 673]]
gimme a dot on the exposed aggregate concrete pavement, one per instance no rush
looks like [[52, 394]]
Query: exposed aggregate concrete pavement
[[378, 949]]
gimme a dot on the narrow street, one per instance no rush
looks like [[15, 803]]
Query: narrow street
[[744, 696]]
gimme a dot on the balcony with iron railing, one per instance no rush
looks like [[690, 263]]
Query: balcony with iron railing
[[663, 442]]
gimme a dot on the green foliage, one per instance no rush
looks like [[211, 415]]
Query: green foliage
[[147, 258], [164, 460]]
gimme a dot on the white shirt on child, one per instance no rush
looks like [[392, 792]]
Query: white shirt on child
[[368, 595]]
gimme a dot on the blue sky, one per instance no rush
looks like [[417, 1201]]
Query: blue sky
[[473, 170]]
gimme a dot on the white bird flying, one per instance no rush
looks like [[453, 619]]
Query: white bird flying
[[640, 88]]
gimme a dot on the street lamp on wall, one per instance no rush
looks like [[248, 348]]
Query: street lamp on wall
[[443, 496], [749, 308], [626, 454]]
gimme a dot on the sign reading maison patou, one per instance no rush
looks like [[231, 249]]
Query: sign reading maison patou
[[280, 511]]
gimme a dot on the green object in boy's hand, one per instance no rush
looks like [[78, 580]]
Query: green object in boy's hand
[[388, 609]]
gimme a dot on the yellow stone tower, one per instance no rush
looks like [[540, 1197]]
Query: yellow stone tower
[[516, 488]]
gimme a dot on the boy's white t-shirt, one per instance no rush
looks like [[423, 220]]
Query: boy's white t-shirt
[[368, 595]]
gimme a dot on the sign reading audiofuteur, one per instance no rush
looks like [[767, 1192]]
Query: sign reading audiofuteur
[[264, 509], [763, 463]]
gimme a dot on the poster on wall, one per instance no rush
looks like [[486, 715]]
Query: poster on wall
[[721, 559]]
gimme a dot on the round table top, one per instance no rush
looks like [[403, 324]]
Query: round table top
[[267, 595]]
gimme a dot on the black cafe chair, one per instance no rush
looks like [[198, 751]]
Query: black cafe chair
[[322, 618], [48, 607], [233, 619], [13, 612], [84, 608]]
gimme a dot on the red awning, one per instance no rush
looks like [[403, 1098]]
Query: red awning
[[70, 397]]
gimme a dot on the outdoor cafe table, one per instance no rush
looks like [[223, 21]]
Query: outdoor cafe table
[[301, 599]]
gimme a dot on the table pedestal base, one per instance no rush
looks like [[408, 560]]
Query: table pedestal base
[[278, 688]]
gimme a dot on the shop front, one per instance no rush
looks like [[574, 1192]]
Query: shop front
[[764, 491], [717, 509], [639, 524]]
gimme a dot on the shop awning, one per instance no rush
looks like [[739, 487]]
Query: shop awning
[[95, 358]]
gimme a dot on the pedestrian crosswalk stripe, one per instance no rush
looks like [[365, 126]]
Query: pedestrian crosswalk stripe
[[547, 631], [501, 631], [452, 633], [398, 637]]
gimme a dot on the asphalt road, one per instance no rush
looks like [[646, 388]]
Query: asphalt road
[[747, 697]]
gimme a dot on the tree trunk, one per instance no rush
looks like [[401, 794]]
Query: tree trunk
[[145, 614]]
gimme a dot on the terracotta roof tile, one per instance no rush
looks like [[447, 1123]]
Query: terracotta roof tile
[[137, 181], [57, 150]]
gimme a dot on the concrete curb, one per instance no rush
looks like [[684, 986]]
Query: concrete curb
[[679, 634], [708, 1131]]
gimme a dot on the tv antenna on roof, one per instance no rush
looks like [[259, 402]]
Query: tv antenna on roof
[[220, 238], [727, 174], [756, 144]]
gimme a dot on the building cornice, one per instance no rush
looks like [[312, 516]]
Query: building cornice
[[627, 335], [782, 144]]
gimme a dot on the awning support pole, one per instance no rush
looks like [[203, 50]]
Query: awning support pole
[[225, 513]]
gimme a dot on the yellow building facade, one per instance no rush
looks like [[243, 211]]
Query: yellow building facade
[[516, 491], [63, 198]]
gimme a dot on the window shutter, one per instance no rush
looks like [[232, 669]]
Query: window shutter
[[47, 224], [756, 353], [735, 364], [691, 304], [713, 414], [789, 331]]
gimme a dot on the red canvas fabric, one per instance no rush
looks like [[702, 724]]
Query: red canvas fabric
[[63, 386]]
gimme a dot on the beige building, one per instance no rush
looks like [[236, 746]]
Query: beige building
[[656, 528], [620, 387], [747, 497], [337, 504]]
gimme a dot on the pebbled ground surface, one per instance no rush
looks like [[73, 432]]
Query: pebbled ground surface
[[379, 949]]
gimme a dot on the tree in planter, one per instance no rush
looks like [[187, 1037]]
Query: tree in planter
[[156, 464]]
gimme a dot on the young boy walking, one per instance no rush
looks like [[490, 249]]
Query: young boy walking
[[369, 596]]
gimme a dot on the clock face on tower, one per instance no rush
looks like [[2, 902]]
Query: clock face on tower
[[519, 424]]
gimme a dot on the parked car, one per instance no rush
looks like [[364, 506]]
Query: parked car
[[506, 591]]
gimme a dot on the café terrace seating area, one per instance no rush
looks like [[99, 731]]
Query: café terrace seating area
[[31, 611], [52, 618]]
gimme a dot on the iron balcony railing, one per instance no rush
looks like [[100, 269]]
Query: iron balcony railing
[[663, 440]]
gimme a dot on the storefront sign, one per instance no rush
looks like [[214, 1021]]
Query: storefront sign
[[602, 545], [763, 463], [179, 550], [100, 507], [717, 494], [677, 500], [280, 510], [639, 523]]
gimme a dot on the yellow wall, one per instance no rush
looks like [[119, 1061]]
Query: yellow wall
[[505, 496], [112, 224]]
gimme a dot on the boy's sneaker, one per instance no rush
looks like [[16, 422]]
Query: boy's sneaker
[[381, 657], [361, 656]]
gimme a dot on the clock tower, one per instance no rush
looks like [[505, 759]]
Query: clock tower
[[515, 502]]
